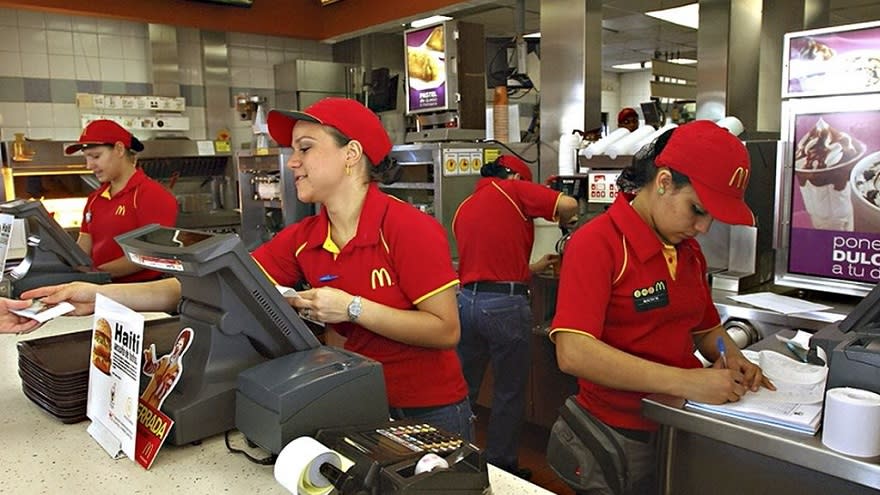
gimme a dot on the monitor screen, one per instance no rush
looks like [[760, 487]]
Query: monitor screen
[[238, 317], [50, 248], [652, 112]]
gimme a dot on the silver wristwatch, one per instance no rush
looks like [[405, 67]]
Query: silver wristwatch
[[355, 308]]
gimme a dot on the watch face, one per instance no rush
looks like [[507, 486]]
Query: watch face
[[354, 308]]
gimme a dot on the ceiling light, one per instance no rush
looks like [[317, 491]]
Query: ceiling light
[[683, 61], [532, 35], [686, 15], [633, 66], [434, 19]]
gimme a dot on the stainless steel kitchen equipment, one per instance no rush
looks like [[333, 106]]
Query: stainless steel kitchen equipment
[[303, 82], [437, 177], [268, 195]]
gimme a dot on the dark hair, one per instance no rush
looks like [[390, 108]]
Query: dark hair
[[495, 169], [642, 170], [388, 171]]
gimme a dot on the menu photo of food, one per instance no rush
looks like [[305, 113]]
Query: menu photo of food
[[836, 160], [425, 58], [834, 63]]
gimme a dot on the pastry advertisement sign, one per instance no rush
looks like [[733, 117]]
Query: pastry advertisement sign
[[832, 61], [426, 69], [835, 202]]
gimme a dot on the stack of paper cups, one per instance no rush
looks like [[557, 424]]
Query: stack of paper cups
[[628, 144], [651, 137], [568, 144], [852, 421], [298, 466], [599, 146]]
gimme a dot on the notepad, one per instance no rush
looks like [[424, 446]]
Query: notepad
[[796, 405]]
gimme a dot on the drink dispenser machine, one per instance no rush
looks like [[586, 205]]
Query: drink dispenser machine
[[267, 196]]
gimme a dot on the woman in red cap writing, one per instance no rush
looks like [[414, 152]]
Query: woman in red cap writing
[[380, 270], [127, 199], [639, 303]]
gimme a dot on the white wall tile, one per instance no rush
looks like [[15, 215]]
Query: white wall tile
[[31, 19], [59, 42], [65, 115], [274, 57], [134, 48], [262, 77], [32, 40], [84, 24], [39, 114], [62, 67], [85, 44], [109, 46], [35, 65], [109, 26], [257, 57], [58, 22], [88, 68], [10, 64], [133, 29], [68, 133], [112, 69], [41, 133], [14, 114], [240, 77], [189, 54], [9, 39], [8, 17], [135, 71], [237, 56]]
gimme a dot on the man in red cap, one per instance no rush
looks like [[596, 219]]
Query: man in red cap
[[127, 199], [494, 231], [628, 118], [636, 305]]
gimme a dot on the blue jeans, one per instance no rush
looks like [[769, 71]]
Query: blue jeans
[[454, 418], [496, 328]]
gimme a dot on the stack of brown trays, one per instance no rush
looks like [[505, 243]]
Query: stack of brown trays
[[54, 370], [54, 373]]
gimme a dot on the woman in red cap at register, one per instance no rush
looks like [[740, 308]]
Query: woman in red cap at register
[[127, 199], [380, 270], [638, 301]]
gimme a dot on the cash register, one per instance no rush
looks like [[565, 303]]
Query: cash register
[[52, 256], [253, 363], [853, 346]]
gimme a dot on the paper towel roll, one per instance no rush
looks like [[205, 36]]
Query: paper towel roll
[[852, 421], [599, 146], [624, 145], [732, 124], [298, 464]]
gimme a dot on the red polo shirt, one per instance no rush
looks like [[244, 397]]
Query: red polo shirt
[[398, 257], [495, 231], [141, 202], [616, 286]]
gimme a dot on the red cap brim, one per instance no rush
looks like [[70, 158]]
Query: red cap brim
[[281, 122], [722, 207]]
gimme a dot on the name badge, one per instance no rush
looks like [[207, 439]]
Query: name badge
[[652, 297]]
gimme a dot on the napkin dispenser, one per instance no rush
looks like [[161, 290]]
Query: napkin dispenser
[[297, 394]]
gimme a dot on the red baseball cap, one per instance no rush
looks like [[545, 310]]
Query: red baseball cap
[[100, 132], [515, 164], [345, 115], [625, 113], [717, 164]]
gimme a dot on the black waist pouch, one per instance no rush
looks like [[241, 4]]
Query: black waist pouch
[[584, 452]]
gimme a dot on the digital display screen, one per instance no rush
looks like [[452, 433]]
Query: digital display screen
[[426, 71]]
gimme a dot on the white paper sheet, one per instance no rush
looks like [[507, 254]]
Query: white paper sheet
[[782, 304]]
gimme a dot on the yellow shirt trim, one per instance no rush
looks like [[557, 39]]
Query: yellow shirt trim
[[671, 257], [625, 262], [511, 201], [436, 291], [300, 248], [554, 331], [265, 272], [329, 245]]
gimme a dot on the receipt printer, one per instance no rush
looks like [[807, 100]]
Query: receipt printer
[[389, 458], [853, 346], [296, 394]]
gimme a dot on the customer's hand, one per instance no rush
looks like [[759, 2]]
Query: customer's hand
[[11, 322], [545, 263], [80, 294]]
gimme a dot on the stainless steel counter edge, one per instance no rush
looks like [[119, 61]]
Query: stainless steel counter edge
[[802, 450]]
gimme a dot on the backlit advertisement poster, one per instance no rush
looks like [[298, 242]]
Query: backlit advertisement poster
[[426, 69], [832, 61], [835, 205]]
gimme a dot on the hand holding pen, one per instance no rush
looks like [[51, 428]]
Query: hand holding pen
[[722, 350]]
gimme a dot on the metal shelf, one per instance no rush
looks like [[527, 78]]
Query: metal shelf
[[409, 185]]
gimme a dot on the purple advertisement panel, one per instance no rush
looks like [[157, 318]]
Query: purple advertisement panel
[[426, 69], [833, 62], [835, 209]]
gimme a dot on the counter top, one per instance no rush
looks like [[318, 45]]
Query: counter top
[[39, 454], [801, 450]]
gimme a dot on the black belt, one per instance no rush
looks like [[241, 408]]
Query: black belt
[[509, 288]]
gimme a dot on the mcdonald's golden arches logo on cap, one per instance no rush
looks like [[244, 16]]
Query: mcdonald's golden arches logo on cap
[[380, 277], [739, 178]]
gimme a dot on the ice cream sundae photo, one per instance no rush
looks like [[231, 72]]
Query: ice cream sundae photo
[[865, 186], [823, 160]]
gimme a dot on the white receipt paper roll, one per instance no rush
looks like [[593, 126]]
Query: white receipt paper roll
[[430, 462], [852, 421], [298, 463]]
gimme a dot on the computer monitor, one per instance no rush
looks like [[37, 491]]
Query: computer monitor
[[238, 317], [865, 317], [52, 257], [653, 113]]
